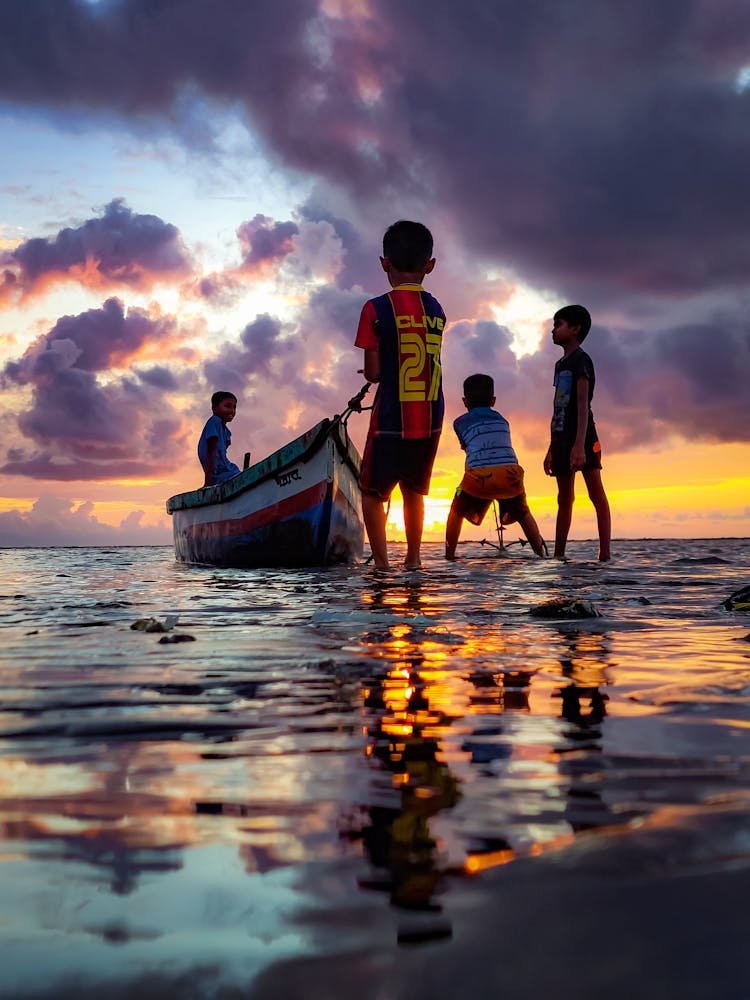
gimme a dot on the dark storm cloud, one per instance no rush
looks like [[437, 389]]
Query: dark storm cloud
[[261, 344], [264, 240], [263, 341], [77, 427], [49, 468], [359, 265], [119, 247], [599, 147], [332, 316], [159, 377], [86, 418], [692, 379], [596, 149], [93, 341]]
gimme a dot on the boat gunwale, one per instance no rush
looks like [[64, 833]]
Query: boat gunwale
[[301, 449]]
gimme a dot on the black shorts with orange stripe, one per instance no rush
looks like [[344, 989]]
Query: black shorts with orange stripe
[[393, 461]]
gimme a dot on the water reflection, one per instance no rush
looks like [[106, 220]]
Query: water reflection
[[403, 740], [405, 712], [584, 666], [453, 713], [424, 716]]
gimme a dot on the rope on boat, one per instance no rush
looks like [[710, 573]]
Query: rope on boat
[[354, 405]]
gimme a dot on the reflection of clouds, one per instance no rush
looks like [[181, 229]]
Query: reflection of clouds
[[101, 819]]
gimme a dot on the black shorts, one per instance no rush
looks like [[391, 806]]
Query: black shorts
[[473, 509], [390, 461], [560, 454]]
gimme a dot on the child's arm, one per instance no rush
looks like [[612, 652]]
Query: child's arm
[[578, 451], [372, 365], [208, 466]]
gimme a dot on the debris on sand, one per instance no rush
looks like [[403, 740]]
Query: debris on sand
[[565, 607], [154, 625], [739, 600]]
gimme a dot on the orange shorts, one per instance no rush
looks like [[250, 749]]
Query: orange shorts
[[480, 487], [496, 482]]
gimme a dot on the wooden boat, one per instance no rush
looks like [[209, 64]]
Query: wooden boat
[[301, 506]]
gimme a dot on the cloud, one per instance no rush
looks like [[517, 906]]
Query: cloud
[[265, 242], [159, 377], [589, 176], [689, 381], [56, 521], [599, 158], [84, 420], [119, 248], [93, 341], [598, 178], [262, 342]]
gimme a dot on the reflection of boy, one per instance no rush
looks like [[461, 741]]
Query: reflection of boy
[[574, 443], [401, 333], [492, 471], [216, 438]]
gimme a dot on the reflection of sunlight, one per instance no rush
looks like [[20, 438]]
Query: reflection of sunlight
[[742, 80]]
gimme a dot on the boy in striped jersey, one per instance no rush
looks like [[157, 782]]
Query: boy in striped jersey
[[401, 334]]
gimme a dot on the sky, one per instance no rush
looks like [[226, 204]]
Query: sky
[[193, 196]]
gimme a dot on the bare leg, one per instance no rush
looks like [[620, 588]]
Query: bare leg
[[531, 530], [373, 511], [452, 531], [413, 523], [565, 496], [593, 480]]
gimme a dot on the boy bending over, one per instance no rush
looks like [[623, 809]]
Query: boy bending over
[[492, 471]]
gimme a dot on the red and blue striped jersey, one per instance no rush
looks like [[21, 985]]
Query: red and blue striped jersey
[[406, 327]]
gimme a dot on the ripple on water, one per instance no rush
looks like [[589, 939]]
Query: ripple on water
[[401, 729]]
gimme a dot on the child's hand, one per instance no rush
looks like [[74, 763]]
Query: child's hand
[[548, 462], [577, 458]]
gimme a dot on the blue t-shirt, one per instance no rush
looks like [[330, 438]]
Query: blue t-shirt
[[484, 434], [223, 468]]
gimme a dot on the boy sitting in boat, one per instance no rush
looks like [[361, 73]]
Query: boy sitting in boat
[[216, 438], [401, 333], [492, 471]]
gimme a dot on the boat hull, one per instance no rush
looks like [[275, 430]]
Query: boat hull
[[299, 507]]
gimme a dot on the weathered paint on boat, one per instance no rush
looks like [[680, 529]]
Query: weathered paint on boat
[[301, 506]]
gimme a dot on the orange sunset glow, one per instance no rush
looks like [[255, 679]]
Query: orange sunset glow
[[156, 247]]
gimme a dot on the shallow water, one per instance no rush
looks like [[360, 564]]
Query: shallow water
[[331, 762]]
